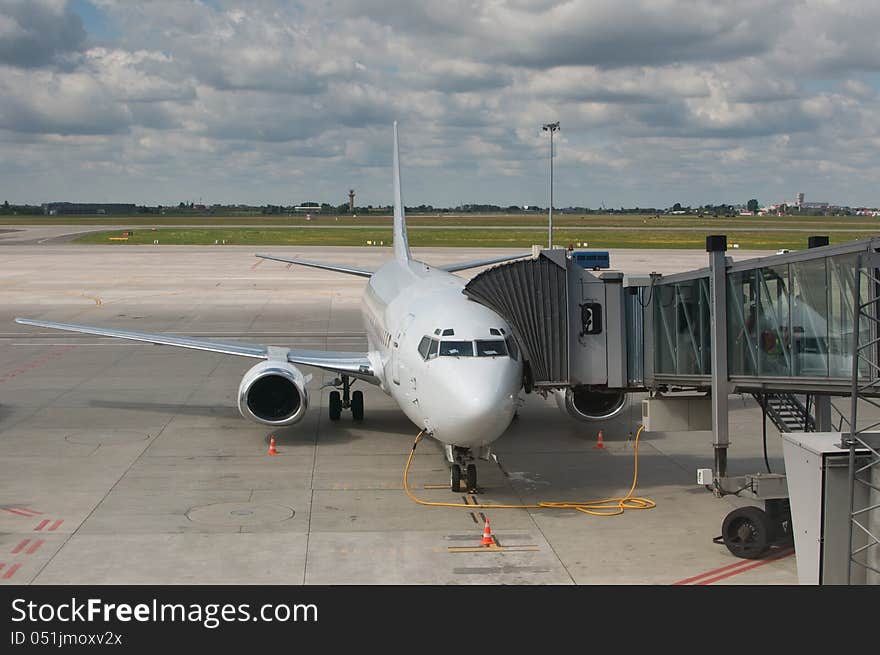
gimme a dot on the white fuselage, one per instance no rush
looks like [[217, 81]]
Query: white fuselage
[[465, 401]]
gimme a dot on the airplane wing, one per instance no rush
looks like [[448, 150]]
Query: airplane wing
[[452, 268], [348, 363], [329, 267]]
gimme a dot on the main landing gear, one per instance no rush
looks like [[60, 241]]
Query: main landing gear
[[462, 462], [346, 400]]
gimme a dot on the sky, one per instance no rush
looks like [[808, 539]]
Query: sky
[[271, 102]]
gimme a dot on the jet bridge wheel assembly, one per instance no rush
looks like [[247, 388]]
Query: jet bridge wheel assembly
[[748, 532]]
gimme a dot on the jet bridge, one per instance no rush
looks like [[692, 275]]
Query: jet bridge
[[782, 328], [567, 321]]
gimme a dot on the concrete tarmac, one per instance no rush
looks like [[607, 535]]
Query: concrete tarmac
[[127, 463]]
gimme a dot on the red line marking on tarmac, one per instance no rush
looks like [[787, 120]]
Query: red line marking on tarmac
[[20, 511], [55, 525], [11, 571], [257, 264], [34, 546], [2, 564], [24, 542], [42, 525], [707, 574], [733, 569], [778, 556]]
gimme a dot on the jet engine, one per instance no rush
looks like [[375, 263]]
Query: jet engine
[[590, 404], [273, 393]]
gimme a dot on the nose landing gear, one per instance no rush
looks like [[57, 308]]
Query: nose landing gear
[[462, 460]]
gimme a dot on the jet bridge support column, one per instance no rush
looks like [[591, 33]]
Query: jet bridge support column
[[716, 246], [821, 401]]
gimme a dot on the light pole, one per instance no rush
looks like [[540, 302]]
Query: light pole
[[551, 127]]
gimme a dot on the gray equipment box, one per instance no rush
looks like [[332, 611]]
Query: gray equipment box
[[677, 413], [817, 471]]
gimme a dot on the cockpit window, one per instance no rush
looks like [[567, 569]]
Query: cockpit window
[[491, 348], [512, 347], [432, 351], [456, 349], [424, 345], [448, 332]]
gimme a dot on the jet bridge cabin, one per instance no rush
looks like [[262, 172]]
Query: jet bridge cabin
[[568, 321]]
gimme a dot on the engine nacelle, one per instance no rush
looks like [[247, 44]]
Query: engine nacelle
[[586, 404], [273, 393]]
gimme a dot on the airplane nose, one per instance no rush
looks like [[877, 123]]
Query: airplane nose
[[477, 412]]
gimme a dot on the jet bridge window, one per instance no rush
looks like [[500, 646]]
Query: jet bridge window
[[491, 348], [456, 348]]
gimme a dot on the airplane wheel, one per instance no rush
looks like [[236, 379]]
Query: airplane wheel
[[335, 406], [471, 478], [455, 478], [357, 405]]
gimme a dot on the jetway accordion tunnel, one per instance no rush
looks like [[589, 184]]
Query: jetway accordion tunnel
[[567, 323]]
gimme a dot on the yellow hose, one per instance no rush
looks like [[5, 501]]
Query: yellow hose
[[604, 507]]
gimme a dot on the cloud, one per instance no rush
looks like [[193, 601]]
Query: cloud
[[659, 100], [606, 33], [38, 33], [49, 102]]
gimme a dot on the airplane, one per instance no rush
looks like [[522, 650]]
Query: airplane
[[451, 364]]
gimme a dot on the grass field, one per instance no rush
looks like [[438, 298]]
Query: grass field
[[512, 238], [856, 223]]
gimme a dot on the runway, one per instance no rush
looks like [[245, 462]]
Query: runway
[[127, 463]]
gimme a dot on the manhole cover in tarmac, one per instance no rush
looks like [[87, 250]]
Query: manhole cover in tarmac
[[243, 514], [105, 437]]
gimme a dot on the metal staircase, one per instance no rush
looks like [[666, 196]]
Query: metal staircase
[[786, 411]]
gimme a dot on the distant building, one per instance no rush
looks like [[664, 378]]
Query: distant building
[[799, 200], [74, 208], [351, 200]]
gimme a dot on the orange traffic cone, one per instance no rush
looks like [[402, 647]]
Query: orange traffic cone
[[600, 441], [488, 539], [272, 450]]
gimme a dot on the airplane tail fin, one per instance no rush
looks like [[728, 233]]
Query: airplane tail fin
[[401, 245]]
